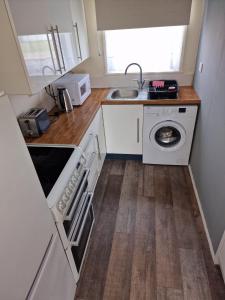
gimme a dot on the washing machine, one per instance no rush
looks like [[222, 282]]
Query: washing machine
[[168, 133]]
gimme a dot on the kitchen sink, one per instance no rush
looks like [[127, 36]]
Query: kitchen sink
[[127, 94], [124, 94]]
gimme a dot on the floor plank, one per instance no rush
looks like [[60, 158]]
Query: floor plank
[[143, 280], [117, 284], [127, 207], [195, 279], [92, 282], [167, 254], [148, 187], [185, 227], [148, 241], [117, 167], [169, 294], [162, 187]]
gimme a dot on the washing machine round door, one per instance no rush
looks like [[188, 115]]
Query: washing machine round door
[[168, 136]]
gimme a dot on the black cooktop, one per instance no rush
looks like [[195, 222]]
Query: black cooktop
[[49, 163]]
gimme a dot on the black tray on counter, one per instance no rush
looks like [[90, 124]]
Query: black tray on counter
[[166, 89]]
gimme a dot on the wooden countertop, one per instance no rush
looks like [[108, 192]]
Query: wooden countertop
[[70, 128]]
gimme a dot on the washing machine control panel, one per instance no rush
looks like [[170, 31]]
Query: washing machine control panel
[[164, 110]]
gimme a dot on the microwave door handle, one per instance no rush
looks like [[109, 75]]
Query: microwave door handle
[[70, 215], [77, 241]]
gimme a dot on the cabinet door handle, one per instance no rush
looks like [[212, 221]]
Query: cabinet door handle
[[52, 57], [60, 47], [78, 39], [138, 130], [52, 32], [98, 145]]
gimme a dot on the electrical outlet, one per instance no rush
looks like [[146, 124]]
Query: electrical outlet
[[200, 68]]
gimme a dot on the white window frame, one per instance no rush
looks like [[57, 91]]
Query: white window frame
[[146, 73]]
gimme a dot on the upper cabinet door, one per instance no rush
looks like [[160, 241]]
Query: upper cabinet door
[[61, 26], [52, 39], [36, 41], [80, 28]]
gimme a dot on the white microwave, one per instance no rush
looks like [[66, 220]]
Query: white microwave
[[78, 86]]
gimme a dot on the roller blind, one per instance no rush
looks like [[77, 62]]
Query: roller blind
[[125, 14]]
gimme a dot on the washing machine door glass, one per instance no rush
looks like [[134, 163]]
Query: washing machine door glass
[[168, 135]]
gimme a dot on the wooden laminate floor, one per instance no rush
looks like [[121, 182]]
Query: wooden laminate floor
[[148, 241]]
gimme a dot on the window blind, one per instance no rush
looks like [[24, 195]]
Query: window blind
[[125, 14]]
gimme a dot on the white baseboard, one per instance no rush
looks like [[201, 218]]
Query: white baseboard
[[219, 250], [214, 257]]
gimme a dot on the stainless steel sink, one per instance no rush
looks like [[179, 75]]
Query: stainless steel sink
[[127, 94], [124, 94]]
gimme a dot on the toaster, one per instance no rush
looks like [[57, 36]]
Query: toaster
[[34, 122]]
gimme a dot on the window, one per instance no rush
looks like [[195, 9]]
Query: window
[[156, 49]]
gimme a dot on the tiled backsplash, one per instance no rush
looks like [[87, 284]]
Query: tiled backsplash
[[22, 103]]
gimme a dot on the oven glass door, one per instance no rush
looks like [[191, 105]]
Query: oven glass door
[[79, 251], [76, 205], [82, 232]]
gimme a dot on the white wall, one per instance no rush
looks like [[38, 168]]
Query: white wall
[[22, 103], [96, 67]]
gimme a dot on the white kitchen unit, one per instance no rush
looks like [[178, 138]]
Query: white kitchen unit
[[123, 128], [54, 279], [93, 143], [31, 250], [40, 42]]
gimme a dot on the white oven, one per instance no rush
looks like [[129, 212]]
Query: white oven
[[69, 197]]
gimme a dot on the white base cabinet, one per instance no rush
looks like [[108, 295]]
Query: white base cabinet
[[123, 128]]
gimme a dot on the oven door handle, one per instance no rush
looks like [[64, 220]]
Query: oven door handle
[[70, 215], [78, 215], [77, 241]]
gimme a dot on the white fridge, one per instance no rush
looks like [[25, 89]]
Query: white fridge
[[33, 264]]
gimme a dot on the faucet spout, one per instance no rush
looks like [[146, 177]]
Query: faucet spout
[[140, 81]]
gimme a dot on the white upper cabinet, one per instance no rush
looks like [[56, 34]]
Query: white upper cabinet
[[43, 39]]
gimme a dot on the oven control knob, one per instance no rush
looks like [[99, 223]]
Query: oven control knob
[[73, 179], [61, 205], [71, 185], [76, 174], [65, 198], [68, 192]]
